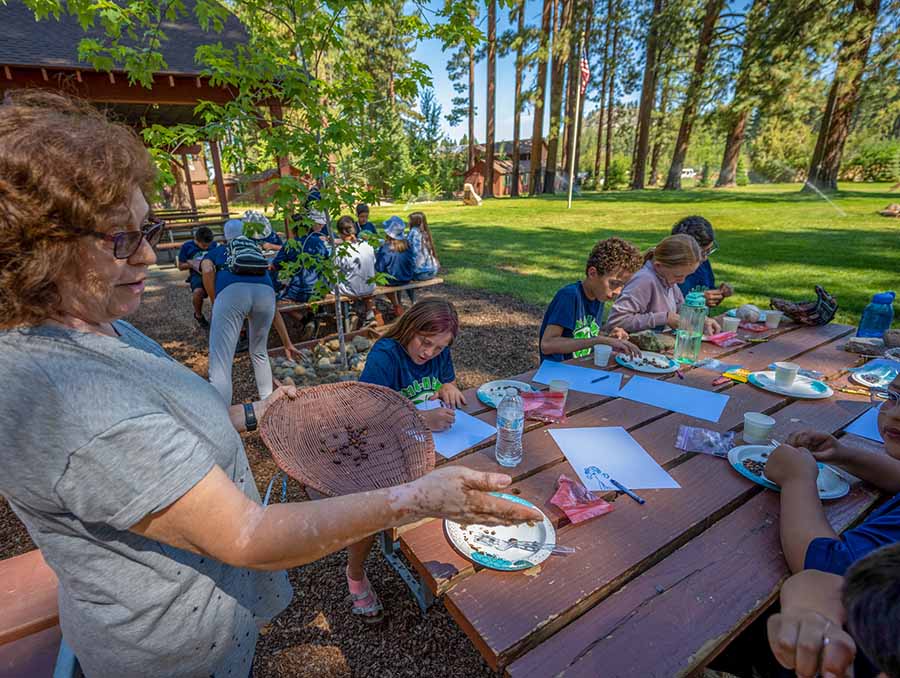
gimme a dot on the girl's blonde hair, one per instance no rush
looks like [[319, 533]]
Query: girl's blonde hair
[[675, 251], [418, 220], [397, 245]]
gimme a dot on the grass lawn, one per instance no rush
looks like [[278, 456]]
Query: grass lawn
[[773, 240]]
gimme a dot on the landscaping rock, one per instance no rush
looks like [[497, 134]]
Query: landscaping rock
[[287, 381], [324, 364], [333, 345], [361, 343], [299, 371]]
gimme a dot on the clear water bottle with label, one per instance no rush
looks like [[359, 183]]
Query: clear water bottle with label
[[510, 425]]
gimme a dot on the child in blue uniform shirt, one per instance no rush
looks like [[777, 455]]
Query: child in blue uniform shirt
[[302, 285], [362, 223], [703, 279], [572, 321], [395, 258], [808, 541], [267, 238], [189, 257], [413, 358]]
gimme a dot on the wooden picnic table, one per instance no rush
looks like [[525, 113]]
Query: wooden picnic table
[[655, 589]]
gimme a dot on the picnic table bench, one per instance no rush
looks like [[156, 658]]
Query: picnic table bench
[[655, 589]]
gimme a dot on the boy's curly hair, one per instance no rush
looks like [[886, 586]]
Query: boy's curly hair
[[64, 170], [614, 254]]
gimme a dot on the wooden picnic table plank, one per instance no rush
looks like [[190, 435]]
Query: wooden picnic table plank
[[506, 615], [700, 591], [440, 566]]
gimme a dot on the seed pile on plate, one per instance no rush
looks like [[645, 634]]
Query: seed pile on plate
[[754, 466], [651, 361]]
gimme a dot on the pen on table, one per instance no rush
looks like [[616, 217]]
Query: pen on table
[[679, 374], [622, 488], [605, 376]]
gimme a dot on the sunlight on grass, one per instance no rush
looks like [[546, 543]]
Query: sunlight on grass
[[774, 240]]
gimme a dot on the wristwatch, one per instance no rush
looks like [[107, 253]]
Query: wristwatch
[[249, 417]]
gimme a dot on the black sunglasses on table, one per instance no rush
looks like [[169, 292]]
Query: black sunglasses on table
[[126, 243]]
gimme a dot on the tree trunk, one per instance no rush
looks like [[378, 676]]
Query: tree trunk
[[573, 81], [843, 97], [603, 87], [537, 130], [520, 31], [471, 106], [648, 94], [692, 98], [733, 143], [560, 57], [611, 98], [491, 107], [660, 130]]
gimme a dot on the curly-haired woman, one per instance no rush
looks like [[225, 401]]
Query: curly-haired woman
[[126, 467], [572, 321]]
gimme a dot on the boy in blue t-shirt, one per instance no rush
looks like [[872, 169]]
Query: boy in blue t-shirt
[[189, 257], [302, 285], [807, 538], [362, 222], [703, 279], [572, 321]]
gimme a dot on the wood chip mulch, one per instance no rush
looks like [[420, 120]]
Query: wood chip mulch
[[317, 635]]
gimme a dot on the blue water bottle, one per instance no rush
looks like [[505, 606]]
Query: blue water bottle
[[877, 316]]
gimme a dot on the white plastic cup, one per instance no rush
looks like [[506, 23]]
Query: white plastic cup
[[773, 319], [602, 353], [560, 386], [730, 324], [758, 428], [785, 374]]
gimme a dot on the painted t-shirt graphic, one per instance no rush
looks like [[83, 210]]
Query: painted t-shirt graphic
[[388, 364], [578, 316]]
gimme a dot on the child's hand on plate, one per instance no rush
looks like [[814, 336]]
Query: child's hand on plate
[[618, 333], [823, 446], [788, 464], [624, 346]]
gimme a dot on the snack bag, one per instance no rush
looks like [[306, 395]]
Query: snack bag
[[695, 439], [577, 502], [725, 339], [741, 375], [546, 406]]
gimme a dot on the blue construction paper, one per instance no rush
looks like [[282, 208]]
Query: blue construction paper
[[867, 425], [466, 431], [579, 378], [694, 402]]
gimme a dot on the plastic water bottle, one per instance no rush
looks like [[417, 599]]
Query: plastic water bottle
[[510, 425], [877, 316], [689, 335]]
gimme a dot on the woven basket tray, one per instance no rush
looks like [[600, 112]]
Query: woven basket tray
[[348, 437]]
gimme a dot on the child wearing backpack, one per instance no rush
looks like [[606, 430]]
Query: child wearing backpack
[[236, 279], [395, 258]]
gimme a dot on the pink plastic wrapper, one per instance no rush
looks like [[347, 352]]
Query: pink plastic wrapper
[[754, 327], [725, 339], [577, 502], [546, 406]]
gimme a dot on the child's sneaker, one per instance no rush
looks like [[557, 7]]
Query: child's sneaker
[[202, 321]]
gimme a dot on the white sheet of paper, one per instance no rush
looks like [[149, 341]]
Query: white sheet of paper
[[579, 378], [602, 452], [694, 402], [465, 432], [867, 425]]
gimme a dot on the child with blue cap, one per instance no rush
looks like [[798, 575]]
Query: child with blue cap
[[395, 258]]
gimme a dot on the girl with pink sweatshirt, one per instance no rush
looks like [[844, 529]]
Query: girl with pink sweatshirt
[[651, 298]]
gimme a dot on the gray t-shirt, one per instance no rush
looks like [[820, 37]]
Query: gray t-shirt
[[99, 432]]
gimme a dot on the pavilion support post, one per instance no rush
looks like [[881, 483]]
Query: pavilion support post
[[190, 184], [220, 178]]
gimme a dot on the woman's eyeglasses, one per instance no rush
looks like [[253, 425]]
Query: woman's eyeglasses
[[713, 248], [126, 243], [886, 396]]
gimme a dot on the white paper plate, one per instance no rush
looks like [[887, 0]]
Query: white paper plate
[[803, 387], [492, 392], [650, 369], [464, 540], [830, 483]]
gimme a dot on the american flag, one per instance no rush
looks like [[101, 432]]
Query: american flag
[[585, 75]]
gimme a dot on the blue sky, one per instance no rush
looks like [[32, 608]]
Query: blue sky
[[430, 53]]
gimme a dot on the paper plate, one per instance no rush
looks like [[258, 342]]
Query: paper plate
[[733, 314], [880, 377], [803, 387], [650, 369], [464, 540], [830, 483], [492, 392]]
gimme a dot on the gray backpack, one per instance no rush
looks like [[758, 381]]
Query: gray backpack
[[245, 257]]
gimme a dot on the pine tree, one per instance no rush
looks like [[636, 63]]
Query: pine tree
[[535, 185]]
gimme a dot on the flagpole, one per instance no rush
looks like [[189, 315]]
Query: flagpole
[[575, 124]]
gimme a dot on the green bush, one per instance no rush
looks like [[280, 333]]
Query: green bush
[[875, 161], [618, 174], [741, 178]]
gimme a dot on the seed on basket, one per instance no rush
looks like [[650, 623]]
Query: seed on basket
[[336, 461]]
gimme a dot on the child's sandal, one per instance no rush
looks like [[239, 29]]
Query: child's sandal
[[373, 613]]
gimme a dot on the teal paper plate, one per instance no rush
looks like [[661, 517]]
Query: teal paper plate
[[830, 483]]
